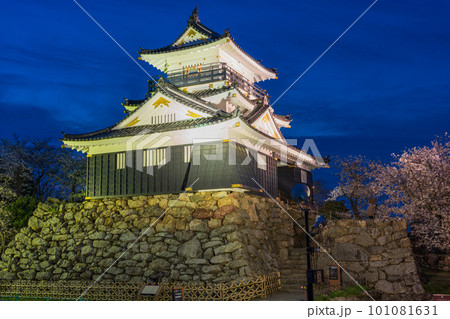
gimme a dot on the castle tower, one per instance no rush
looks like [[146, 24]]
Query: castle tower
[[204, 121]]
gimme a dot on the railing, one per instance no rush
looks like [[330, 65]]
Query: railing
[[243, 289], [211, 73]]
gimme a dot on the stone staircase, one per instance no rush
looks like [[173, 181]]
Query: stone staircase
[[293, 271]]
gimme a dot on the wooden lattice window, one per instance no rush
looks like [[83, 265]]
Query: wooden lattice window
[[120, 160]]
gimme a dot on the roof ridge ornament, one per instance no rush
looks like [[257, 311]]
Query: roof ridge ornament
[[194, 16], [236, 112], [161, 83], [227, 33]]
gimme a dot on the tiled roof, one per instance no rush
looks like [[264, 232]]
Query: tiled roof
[[193, 22], [109, 132], [286, 118], [313, 158], [134, 102], [193, 44], [256, 112], [185, 98], [171, 48], [210, 92], [213, 36]]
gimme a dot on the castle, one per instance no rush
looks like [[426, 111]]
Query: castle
[[205, 123]]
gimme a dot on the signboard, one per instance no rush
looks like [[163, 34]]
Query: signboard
[[335, 275], [151, 291], [441, 297], [178, 294], [333, 269], [318, 276]]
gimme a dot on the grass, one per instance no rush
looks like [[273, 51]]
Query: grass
[[436, 282], [344, 292], [437, 288]]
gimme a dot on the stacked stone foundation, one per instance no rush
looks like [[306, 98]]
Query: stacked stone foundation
[[211, 237], [375, 253]]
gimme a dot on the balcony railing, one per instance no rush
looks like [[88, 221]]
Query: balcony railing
[[209, 73]]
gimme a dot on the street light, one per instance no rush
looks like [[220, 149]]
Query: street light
[[301, 193]]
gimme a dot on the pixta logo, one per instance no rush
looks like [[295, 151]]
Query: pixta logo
[[145, 151]]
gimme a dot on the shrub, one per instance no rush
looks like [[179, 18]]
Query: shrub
[[21, 210], [343, 292]]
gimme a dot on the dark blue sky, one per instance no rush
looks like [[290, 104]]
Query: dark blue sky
[[383, 87]]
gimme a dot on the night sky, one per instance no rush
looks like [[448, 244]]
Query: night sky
[[383, 87]]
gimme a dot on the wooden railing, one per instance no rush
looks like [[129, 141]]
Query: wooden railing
[[243, 289], [212, 73]]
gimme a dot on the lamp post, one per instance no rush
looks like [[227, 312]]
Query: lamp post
[[301, 193]]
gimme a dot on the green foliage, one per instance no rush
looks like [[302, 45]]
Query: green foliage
[[36, 167], [437, 287], [21, 210], [335, 208], [344, 292], [6, 232]]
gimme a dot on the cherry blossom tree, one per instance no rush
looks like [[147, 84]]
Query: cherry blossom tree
[[416, 185], [355, 176]]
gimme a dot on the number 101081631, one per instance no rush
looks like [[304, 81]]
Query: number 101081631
[[402, 310]]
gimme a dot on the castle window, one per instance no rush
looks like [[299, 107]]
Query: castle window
[[192, 70], [262, 161], [120, 161], [304, 177], [187, 153], [163, 118], [154, 157]]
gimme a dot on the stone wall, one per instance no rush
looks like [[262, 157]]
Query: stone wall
[[212, 237], [377, 254], [204, 236]]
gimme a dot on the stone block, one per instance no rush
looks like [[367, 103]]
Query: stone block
[[136, 203], [35, 223], [190, 249], [38, 242], [233, 218], [43, 275], [214, 223], [183, 236], [208, 254], [385, 287], [364, 239], [349, 252], [236, 264], [211, 269], [196, 261], [28, 274], [128, 237], [221, 259], [198, 225], [228, 201], [219, 195], [159, 264], [228, 248], [212, 244], [201, 213], [87, 250], [221, 212]]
